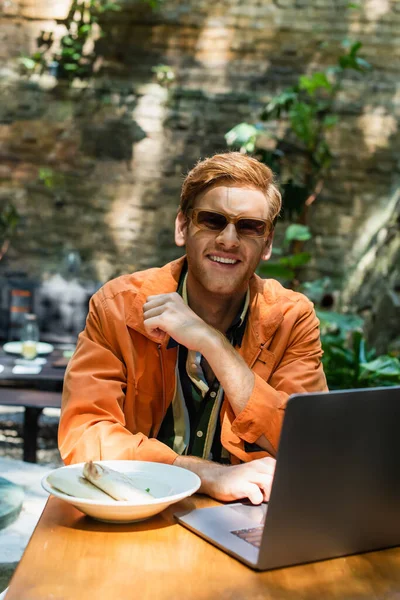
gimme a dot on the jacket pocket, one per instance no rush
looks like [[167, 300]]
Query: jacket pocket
[[264, 364]]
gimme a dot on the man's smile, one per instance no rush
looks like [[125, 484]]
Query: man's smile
[[223, 260]]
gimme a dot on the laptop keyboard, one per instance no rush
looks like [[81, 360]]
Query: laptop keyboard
[[252, 535]]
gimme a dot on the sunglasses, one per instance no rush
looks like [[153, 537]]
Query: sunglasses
[[212, 220]]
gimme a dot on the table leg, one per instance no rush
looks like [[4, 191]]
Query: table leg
[[31, 418]]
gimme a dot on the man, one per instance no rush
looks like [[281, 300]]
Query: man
[[193, 363]]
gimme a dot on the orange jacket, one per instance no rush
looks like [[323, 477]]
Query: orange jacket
[[120, 381]]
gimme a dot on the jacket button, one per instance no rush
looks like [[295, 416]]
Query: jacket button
[[199, 434], [213, 394]]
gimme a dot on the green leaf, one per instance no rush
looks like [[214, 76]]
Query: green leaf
[[70, 66], [275, 270], [351, 60], [355, 48], [354, 5], [330, 121], [322, 155], [295, 260], [363, 64], [386, 365], [343, 322], [45, 174], [28, 62], [300, 233], [302, 120], [241, 134], [280, 102], [342, 355], [333, 70], [83, 29], [109, 6], [315, 82], [359, 347], [315, 290], [347, 43], [67, 40]]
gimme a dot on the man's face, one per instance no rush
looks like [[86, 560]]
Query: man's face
[[204, 248]]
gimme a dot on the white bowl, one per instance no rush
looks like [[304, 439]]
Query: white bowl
[[167, 483]]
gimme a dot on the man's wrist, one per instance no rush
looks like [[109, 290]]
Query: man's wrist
[[206, 470], [210, 340]]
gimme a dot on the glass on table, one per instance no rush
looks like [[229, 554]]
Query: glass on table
[[29, 336]]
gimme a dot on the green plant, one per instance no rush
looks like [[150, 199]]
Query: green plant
[[9, 219], [318, 291], [284, 264], [74, 56], [347, 362], [306, 112]]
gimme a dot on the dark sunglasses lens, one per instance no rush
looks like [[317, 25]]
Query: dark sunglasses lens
[[251, 227], [211, 220]]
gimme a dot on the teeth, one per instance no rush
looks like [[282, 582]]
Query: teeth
[[228, 261]]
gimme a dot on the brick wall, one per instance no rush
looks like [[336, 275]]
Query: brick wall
[[119, 150]]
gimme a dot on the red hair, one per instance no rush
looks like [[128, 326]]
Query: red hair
[[231, 167]]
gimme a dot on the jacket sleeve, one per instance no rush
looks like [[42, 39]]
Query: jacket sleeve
[[299, 370], [92, 422]]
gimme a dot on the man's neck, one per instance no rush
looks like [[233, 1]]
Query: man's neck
[[215, 309]]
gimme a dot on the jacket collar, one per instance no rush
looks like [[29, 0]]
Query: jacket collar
[[160, 281], [265, 310]]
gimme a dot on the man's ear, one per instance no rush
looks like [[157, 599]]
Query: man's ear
[[266, 255], [181, 225]]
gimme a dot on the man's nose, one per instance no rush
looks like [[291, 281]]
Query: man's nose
[[229, 237]]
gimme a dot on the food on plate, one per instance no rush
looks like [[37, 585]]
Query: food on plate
[[115, 484], [98, 483], [68, 482]]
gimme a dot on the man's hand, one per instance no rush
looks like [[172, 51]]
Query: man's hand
[[252, 480], [168, 314]]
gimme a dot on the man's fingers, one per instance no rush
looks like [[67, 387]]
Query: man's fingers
[[158, 298], [157, 333], [161, 299], [266, 492], [152, 305], [153, 326], [153, 312], [264, 483], [253, 493]]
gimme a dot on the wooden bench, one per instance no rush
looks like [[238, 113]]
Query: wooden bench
[[33, 401]]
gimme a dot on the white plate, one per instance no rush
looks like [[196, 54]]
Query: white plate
[[16, 348], [167, 483]]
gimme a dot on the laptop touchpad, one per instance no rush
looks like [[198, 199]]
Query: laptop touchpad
[[255, 513]]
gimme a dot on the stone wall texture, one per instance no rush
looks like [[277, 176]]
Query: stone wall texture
[[118, 150]]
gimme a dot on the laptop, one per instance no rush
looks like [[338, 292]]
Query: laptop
[[336, 489]]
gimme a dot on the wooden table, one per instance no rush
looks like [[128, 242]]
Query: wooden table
[[71, 556]]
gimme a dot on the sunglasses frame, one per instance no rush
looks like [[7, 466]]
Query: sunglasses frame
[[192, 213]]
